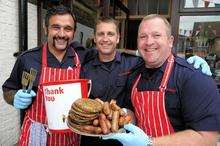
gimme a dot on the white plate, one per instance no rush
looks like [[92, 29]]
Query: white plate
[[121, 130]]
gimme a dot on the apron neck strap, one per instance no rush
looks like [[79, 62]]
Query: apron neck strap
[[44, 55], [76, 59], [166, 75]]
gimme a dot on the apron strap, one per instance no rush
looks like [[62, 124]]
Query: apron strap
[[135, 85], [78, 64], [76, 59], [166, 75], [168, 70], [44, 56]]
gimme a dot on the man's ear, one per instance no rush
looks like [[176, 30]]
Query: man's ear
[[45, 30], [74, 34], [118, 38], [171, 40], [94, 39]]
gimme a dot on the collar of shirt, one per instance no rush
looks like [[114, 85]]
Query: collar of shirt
[[98, 62], [149, 73]]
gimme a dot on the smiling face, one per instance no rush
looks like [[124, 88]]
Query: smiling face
[[60, 32], [154, 42], [106, 39]]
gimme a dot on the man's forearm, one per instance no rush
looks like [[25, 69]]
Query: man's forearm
[[9, 95], [188, 138]]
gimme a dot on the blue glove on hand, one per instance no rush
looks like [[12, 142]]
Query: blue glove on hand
[[135, 137], [199, 62], [22, 99]]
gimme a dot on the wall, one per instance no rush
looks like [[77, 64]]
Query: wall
[[9, 117]]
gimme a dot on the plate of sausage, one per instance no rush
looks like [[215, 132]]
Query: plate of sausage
[[107, 119]]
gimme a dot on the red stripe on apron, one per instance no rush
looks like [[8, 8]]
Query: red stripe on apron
[[37, 110], [150, 106]]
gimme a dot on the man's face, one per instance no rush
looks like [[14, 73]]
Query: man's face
[[154, 44], [106, 38], [60, 32]]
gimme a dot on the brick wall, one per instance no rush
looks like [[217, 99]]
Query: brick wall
[[9, 117]]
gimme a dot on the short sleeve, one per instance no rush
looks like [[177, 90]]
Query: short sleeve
[[200, 103], [14, 80]]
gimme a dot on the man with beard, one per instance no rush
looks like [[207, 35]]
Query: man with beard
[[54, 59]]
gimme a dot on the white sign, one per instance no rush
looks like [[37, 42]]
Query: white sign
[[58, 101]]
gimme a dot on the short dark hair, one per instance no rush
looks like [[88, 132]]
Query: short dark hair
[[106, 19], [59, 10]]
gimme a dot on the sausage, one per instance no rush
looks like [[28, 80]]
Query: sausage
[[98, 130], [102, 116], [112, 101], [115, 107], [99, 100], [110, 115], [115, 118], [103, 126], [108, 123], [122, 112], [121, 121], [106, 108], [88, 128], [102, 123], [95, 122]]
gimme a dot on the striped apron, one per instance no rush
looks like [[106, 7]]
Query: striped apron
[[150, 106], [37, 112]]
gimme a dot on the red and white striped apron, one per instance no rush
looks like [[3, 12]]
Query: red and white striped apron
[[150, 106], [37, 110]]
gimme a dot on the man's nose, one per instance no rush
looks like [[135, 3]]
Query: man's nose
[[61, 32], [105, 37], [149, 40]]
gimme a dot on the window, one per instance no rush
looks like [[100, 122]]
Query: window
[[200, 35], [199, 5]]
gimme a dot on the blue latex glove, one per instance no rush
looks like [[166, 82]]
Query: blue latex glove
[[22, 99], [199, 62], [135, 137]]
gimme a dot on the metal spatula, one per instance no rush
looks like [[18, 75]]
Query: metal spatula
[[33, 74], [25, 80]]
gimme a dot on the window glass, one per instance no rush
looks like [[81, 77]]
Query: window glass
[[201, 3], [200, 35]]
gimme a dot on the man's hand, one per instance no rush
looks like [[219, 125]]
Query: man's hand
[[22, 99], [199, 62], [135, 137]]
